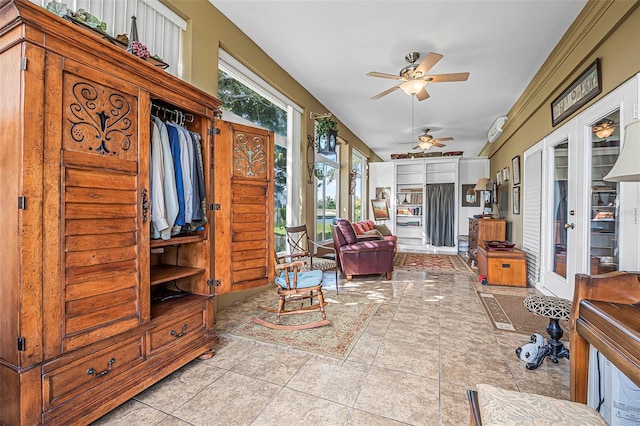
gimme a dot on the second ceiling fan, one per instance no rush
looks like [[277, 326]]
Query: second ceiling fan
[[414, 77], [426, 141]]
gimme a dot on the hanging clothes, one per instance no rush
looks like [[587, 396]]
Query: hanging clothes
[[169, 182], [174, 142], [158, 210], [440, 214]]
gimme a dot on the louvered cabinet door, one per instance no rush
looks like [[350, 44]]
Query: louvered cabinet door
[[244, 189], [103, 208]]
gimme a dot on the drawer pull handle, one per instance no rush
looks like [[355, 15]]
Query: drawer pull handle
[[506, 265], [92, 371], [178, 335]]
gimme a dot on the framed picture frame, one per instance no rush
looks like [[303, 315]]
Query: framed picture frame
[[380, 209], [470, 198], [515, 168], [498, 180], [516, 200], [505, 174], [580, 91], [383, 193], [494, 192]]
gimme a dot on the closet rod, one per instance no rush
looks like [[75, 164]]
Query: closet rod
[[174, 114]]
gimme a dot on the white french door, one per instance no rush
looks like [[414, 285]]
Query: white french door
[[589, 225]]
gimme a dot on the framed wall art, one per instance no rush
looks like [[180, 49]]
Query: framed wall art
[[470, 198], [582, 90], [380, 209], [516, 200], [515, 169]]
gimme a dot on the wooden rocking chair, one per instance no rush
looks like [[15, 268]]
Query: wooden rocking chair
[[294, 287]]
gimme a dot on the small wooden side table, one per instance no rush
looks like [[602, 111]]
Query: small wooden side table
[[503, 267]]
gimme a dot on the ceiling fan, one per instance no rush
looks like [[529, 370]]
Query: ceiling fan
[[426, 141], [414, 76]]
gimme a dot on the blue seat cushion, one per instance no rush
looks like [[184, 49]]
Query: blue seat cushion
[[305, 279]]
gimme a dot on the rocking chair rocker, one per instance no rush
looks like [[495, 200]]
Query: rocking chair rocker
[[294, 286]]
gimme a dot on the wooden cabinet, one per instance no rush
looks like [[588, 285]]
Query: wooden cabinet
[[503, 267], [93, 308], [484, 229]]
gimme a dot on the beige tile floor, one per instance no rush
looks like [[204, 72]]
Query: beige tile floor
[[428, 343]]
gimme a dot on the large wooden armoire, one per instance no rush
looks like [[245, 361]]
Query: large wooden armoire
[[93, 307]]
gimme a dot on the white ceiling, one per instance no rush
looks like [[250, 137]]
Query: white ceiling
[[328, 46]]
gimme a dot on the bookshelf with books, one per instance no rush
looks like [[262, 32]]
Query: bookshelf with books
[[409, 217]]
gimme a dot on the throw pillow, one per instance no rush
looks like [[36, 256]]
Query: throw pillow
[[383, 230], [373, 232]]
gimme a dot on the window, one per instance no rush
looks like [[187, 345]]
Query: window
[[356, 187], [247, 99]]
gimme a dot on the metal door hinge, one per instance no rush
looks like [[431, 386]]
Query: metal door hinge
[[211, 132], [217, 131], [21, 344], [23, 63], [22, 203], [213, 283], [214, 206]]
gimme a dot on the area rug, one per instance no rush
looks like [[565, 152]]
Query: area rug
[[507, 312], [349, 316], [431, 262]]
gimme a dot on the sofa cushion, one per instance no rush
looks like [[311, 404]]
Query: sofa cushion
[[359, 228], [368, 225]]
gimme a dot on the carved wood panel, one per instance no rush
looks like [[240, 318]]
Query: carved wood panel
[[250, 155], [98, 119]]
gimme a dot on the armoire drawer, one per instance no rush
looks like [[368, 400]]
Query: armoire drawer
[[175, 331], [66, 380]]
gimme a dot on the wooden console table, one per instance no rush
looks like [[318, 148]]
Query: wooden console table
[[606, 314]]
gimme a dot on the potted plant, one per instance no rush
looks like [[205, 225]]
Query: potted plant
[[327, 134]]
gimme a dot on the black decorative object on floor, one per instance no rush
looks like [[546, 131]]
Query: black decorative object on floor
[[555, 309]]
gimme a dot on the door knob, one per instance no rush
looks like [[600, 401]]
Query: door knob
[[569, 225]]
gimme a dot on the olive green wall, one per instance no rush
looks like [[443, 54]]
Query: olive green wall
[[609, 30]]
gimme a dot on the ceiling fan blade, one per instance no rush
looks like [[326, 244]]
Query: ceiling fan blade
[[422, 95], [384, 75], [386, 92], [442, 78], [438, 144], [428, 62], [448, 138]]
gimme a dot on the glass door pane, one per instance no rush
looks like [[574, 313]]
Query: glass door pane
[[603, 236], [560, 207]]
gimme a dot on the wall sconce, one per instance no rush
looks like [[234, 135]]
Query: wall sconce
[[310, 159]]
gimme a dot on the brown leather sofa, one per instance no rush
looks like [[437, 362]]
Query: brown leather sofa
[[359, 256]]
